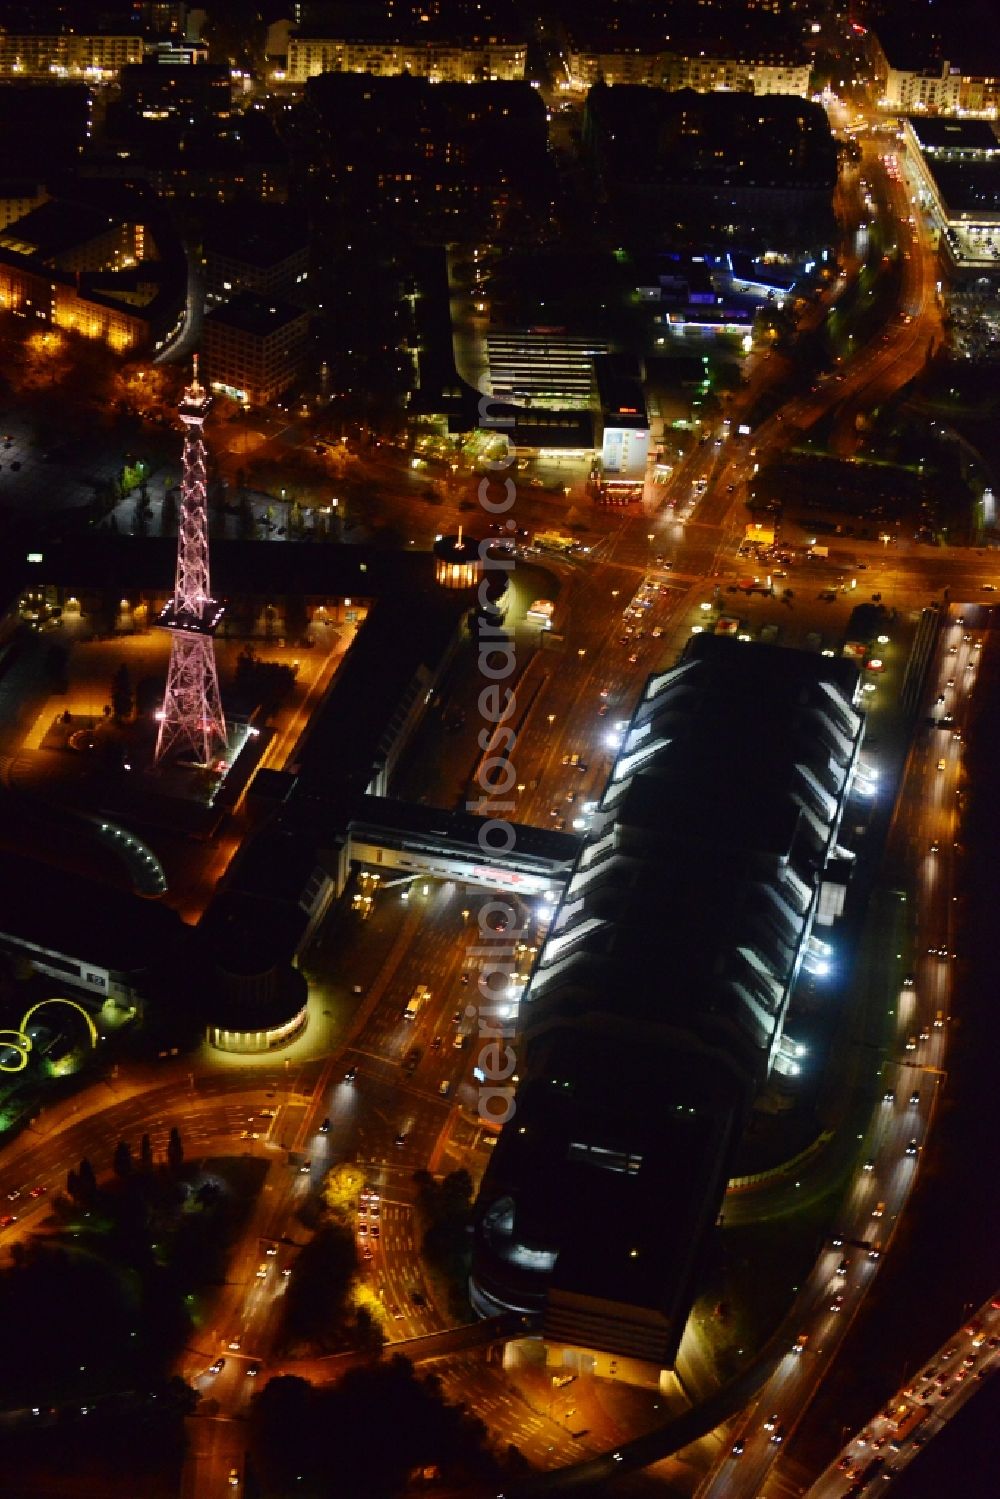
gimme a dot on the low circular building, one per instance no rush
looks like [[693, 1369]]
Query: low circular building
[[257, 1000], [457, 563]]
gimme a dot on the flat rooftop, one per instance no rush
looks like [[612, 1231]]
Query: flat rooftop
[[462, 829], [954, 135], [965, 33], [64, 913], [968, 187], [55, 227], [253, 314], [257, 237], [622, 1171]]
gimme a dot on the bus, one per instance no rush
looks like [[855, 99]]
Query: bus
[[417, 1000], [540, 612], [556, 541], [906, 1419]]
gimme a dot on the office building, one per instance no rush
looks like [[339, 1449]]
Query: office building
[[258, 249], [254, 347]]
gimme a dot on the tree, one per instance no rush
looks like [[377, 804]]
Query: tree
[[369, 1336], [296, 616], [72, 1184], [145, 1154], [168, 513], [86, 1182], [121, 694], [389, 1396], [247, 519], [175, 1150], [122, 1162], [315, 1302], [447, 1214], [342, 1188]]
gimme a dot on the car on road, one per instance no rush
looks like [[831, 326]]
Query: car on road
[[870, 1164], [837, 1303], [888, 1096], [217, 1367], [234, 1478], [350, 1074], [7, 1219], [914, 1099], [253, 1370], [912, 1148], [878, 1210], [401, 1138], [324, 1128], [738, 1448]]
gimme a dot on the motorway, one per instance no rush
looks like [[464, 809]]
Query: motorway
[[915, 1414]]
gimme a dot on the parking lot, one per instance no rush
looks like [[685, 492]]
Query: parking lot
[[975, 322], [43, 471]]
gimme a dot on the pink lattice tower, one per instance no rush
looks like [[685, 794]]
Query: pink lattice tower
[[191, 722]]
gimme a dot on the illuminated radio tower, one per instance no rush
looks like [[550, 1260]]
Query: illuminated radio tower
[[191, 722]]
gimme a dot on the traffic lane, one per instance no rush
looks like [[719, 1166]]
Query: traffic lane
[[937, 1387], [206, 1123], [542, 1438], [895, 1159], [215, 1448], [576, 706]]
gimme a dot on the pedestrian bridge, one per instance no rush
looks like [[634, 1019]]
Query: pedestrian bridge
[[396, 835]]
